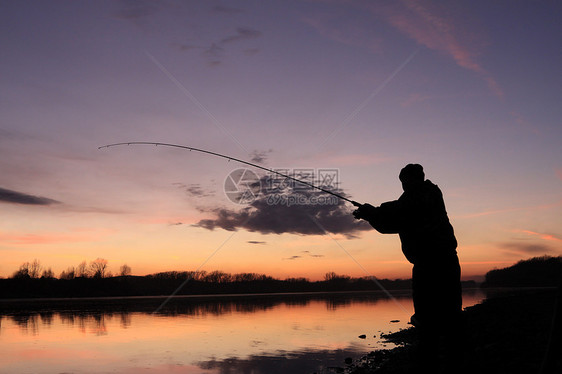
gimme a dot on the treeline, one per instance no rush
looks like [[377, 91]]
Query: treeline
[[544, 271], [95, 269], [184, 283]]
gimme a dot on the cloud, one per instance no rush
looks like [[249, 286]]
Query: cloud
[[9, 196], [526, 248], [242, 33], [292, 258], [431, 26], [259, 157], [303, 255], [284, 210], [50, 238], [214, 54], [548, 237], [195, 189], [216, 51]]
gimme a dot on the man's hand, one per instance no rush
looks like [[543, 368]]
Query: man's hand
[[365, 211]]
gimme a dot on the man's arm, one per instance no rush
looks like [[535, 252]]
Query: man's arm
[[385, 219]]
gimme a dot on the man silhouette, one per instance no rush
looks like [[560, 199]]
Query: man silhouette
[[428, 242]]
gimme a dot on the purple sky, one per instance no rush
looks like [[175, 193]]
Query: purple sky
[[469, 89]]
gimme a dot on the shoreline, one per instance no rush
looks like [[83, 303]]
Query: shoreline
[[507, 333]]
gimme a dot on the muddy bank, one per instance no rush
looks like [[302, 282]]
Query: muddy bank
[[507, 333]]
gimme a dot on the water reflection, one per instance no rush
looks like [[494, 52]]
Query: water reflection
[[229, 334], [93, 313], [319, 361]]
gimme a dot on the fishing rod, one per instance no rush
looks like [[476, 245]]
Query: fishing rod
[[355, 203]]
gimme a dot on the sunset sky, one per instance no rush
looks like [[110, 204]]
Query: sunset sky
[[469, 89]]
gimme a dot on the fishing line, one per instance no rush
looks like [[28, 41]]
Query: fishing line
[[229, 158]]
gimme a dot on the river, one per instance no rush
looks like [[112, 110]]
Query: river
[[236, 334]]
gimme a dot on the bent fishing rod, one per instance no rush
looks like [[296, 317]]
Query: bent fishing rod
[[229, 158]]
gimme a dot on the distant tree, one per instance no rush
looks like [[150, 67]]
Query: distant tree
[[98, 268], [22, 272], [198, 275], [332, 277], [297, 280], [70, 273], [48, 274], [28, 270], [124, 270], [250, 277], [82, 270], [218, 276], [35, 269]]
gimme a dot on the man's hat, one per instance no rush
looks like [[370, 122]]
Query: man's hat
[[412, 172]]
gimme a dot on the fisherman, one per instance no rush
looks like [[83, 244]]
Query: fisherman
[[428, 242]]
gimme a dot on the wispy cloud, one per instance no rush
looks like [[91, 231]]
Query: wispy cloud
[[519, 247], [216, 51], [531, 242], [15, 197], [548, 237], [303, 254], [49, 238], [292, 257], [195, 189], [508, 210], [242, 33], [259, 157], [430, 25]]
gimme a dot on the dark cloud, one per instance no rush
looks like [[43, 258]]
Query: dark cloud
[[259, 157], [9, 196], [292, 258], [302, 255], [283, 210], [525, 247], [242, 33], [195, 189], [255, 242]]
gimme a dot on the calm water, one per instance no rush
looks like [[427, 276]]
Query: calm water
[[251, 334]]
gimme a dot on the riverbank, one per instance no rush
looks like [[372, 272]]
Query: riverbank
[[507, 333]]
